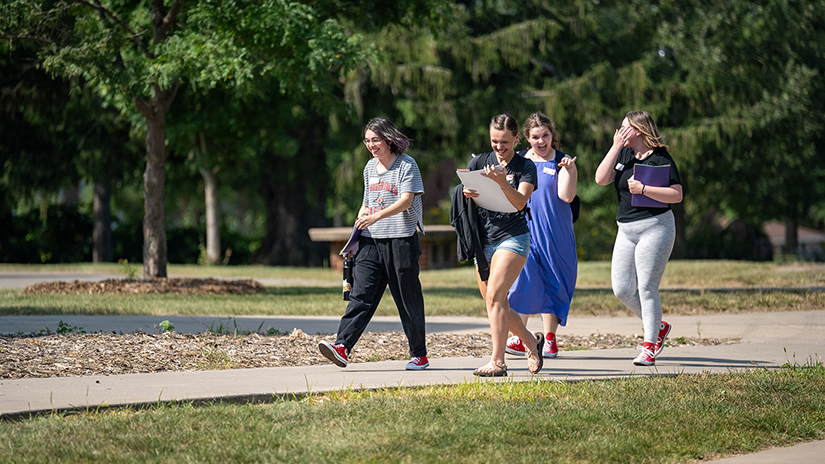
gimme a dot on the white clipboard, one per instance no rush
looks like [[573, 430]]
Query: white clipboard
[[490, 195]]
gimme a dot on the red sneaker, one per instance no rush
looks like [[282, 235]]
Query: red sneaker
[[335, 353], [418, 363], [664, 330], [515, 346], [646, 358], [550, 349]]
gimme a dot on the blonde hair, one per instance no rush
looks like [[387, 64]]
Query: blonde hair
[[642, 121], [540, 119]]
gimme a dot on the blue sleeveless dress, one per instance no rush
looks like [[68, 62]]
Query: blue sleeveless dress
[[548, 279]]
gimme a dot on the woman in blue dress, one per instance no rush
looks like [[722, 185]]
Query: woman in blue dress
[[545, 285]]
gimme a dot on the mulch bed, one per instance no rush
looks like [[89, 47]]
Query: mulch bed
[[179, 285]]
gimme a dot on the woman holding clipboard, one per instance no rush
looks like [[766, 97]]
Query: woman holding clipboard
[[507, 242], [646, 233]]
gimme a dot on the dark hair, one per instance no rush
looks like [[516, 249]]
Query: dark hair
[[540, 119], [387, 131], [504, 121], [643, 122]]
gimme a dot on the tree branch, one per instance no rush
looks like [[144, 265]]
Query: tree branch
[[170, 17], [108, 14], [27, 37], [162, 21], [145, 108]]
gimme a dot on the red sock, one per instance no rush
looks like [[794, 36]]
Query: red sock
[[648, 346]]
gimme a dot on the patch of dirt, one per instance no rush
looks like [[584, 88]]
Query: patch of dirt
[[75, 355], [180, 285]]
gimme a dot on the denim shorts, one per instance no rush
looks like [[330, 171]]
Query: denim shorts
[[519, 244]]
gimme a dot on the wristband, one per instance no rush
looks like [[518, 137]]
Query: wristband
[[643, 189]]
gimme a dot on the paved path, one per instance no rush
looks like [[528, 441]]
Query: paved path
[[768, 340]]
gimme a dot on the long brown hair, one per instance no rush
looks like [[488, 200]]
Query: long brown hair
[[642, 121]]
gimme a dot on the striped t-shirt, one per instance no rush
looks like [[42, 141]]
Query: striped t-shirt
[[382, 190]]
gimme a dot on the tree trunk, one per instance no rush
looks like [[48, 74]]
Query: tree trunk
[[154, 182], [102, 234], [213, 233], [154, 198], [154, 178], [791, 238]]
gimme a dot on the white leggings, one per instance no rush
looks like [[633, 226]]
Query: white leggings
[[640, 254]]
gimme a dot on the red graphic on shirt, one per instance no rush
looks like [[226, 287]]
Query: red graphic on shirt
[[392, 188]]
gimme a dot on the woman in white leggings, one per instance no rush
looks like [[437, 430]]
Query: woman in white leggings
[[646, 226]]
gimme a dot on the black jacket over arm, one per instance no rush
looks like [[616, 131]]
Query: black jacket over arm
[[464, 218]]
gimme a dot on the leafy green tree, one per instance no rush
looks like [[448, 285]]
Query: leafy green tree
[[137, 56], [55, 134], [754, 73]]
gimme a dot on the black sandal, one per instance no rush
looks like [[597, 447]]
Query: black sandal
[[539, 347]]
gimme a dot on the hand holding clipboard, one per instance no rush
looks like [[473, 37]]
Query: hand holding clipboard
[[653, 176], [490, 196]]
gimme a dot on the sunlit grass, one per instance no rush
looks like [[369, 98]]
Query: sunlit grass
[[679, 273], [638, 419], [438, 301]]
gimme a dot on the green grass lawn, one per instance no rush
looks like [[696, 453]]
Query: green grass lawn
[[679, 273], [637, 419], [453, 292]]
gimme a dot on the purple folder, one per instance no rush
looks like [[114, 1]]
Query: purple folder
[[654, 176]]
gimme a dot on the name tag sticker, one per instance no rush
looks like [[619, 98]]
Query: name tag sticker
[[373, 180], [550, 171], [619, 167]]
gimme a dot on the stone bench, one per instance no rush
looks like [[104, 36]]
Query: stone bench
[[438, 245]]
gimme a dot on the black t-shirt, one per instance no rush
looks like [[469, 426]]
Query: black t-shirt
[[624, 170], [501, 226]]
